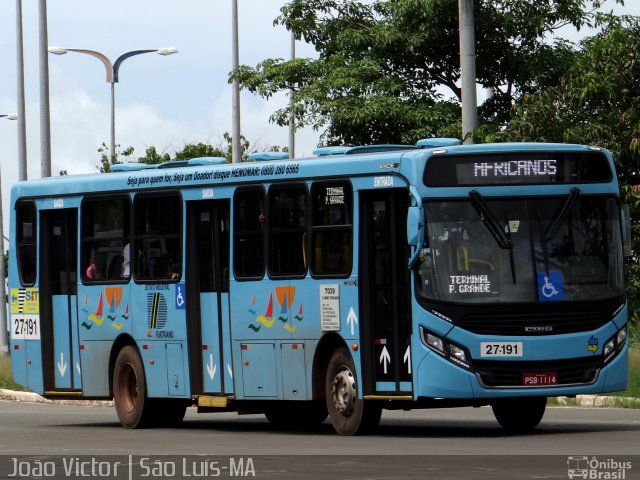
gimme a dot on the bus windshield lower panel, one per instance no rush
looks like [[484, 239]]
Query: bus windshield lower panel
[[484, 250]]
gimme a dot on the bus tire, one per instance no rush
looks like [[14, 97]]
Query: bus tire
[[133, 407], [519, 415], [349, 414]]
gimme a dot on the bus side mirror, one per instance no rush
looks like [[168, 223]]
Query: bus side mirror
[[627, 246], [415, 227]]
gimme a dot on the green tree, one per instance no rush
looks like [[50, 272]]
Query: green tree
[[597, 102], [153, 157], [106, 161], [190, 150], [388, 71]]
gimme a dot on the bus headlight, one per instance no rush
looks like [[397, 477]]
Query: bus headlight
[[452, 352], [614, 344], [458, 356], [622, 336], [435, 343], [609, 348]]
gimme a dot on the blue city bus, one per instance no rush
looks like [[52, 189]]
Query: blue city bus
[[363, 279]]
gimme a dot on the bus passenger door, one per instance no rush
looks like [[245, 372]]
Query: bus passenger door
[[208, 296], [385, 324], [58, 301]]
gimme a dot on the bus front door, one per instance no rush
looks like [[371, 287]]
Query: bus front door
[[208, 297], [385, 323], [58, 300]]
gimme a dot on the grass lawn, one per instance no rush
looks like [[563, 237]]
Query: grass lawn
[[633, 390], [5, 374]]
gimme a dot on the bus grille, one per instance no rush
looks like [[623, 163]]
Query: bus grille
[[579, 371], [533, 324]]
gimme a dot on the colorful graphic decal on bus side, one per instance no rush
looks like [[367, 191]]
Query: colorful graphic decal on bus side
[[285, 297], [25, 300], [25, 314], [113, 296], [156, 310]]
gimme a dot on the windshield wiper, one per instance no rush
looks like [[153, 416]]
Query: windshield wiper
[[500, 234], [561, 214], [554, 224], [491, 222]]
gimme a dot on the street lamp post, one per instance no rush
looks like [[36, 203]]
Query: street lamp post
[[4, 338], [112, 76], [468, 70], [236, 156]]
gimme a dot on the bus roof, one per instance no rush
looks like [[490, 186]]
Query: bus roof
[[215, 171]]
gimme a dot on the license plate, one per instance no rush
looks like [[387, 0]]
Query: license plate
[[501, 349], [539, 379]]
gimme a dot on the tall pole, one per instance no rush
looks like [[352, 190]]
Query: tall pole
[[22, 123], [468, 70], [112, 149], [4, 338], [292, 125], [235, 94], [112, 70], [45, 120]]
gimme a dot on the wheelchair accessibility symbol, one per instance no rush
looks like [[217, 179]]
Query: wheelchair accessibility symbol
[[181, 301], [550, 287]]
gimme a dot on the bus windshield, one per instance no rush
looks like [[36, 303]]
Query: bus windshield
[[522, 250]]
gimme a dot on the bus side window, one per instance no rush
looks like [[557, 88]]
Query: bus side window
[[105, 232], [158, 238], [26, 242], [331, 228], [249, 230], [287, 230]]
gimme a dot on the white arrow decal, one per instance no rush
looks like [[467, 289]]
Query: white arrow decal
[[407, 358], [229, 370], [385, 358], [211, 368], [62, 365], [352, 319]]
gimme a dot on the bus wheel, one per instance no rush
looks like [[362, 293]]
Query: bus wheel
[[349, 415], [519, 415], [297, 414], [129, 390]]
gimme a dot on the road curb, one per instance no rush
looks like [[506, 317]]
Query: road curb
[[599, 401], [596, 401], [35, 398]]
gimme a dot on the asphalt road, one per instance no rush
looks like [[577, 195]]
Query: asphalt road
[[456, 443]]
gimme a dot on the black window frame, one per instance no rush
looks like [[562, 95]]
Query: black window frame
[[317, 228], [21, 244], [240, 235], [121, 240], [139, 254], [274, 231]]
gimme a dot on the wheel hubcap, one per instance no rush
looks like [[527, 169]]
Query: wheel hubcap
[[343, 392]]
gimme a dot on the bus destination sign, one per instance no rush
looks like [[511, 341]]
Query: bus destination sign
[[516, 168]]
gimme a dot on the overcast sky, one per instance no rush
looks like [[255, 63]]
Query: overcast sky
[[160, 101]]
